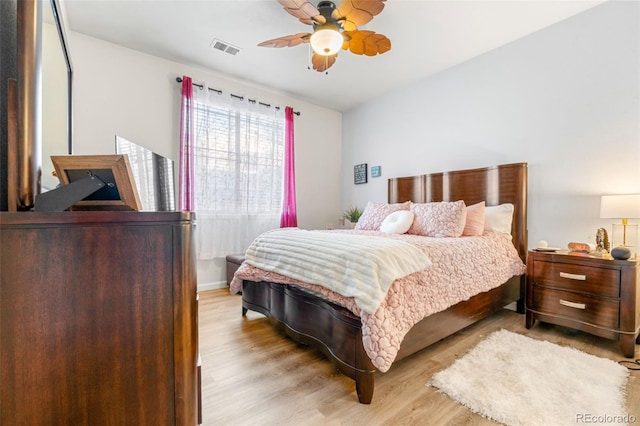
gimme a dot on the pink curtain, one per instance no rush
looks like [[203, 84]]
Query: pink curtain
[[289, 217], [187, 139]]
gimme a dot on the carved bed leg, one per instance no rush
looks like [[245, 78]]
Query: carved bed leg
[[520, 303], [364, 371], [530, 320], [364, 386]]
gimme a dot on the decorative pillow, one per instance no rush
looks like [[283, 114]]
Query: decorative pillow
[[475, 220], [443, 219], [375, 213], [397, 222], [498, 218]]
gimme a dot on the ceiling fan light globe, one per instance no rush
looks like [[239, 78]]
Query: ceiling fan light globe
[[326, 42]]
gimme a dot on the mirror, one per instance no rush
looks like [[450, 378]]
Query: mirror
[[153, 175], [56, 92]]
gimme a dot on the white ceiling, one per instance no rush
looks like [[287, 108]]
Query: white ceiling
[[426, 37]]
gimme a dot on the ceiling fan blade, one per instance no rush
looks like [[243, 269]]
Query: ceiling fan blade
[[306, 12], [322, 63], [287, 41], [353, 13], [367, 43]]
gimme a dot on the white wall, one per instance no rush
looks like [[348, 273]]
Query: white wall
[[565, 99], [119, 91]]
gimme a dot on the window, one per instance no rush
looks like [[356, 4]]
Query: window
[[239, 154]]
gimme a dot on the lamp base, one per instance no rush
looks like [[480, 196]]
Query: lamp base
[[625, 236], [621, 253]]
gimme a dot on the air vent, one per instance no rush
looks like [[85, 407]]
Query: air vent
[[224, 47]]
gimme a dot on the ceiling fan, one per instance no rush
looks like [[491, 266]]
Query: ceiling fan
[[334, 28]]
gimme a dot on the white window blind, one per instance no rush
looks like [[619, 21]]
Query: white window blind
[[239, 150]]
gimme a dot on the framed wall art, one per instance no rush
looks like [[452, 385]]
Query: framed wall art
[[360, 173]]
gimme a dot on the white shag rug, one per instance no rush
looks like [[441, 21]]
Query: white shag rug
[[517, 380]]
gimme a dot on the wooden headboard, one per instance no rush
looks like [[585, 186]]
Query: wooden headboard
[[495, 185]]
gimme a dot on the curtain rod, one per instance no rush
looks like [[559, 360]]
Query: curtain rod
[[219, 92]]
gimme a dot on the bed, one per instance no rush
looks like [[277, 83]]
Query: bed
[[317, 321]]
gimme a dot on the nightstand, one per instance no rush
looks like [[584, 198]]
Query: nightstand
[[596, 295]]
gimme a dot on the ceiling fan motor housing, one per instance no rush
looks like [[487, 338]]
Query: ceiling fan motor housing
[[326, 9]]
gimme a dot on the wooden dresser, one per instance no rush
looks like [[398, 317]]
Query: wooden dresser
[[98, 319], [597, 295]]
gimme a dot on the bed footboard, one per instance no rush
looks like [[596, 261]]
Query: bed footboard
[[336, 331], [330, 328]]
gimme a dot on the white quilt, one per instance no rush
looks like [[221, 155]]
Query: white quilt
[[365, 271]]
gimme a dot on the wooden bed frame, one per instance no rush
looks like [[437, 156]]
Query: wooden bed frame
[[336, 332]]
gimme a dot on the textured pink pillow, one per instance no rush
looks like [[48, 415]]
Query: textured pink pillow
[[475, 220], [443, 219], [375, 213]]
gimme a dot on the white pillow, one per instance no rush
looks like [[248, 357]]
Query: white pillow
[[498, 218], [397, 222], [375, 213]]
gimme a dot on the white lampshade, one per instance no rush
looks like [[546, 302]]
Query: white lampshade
[[620, 206], [326, 42]]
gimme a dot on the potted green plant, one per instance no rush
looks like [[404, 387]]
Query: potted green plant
[[352, 214]]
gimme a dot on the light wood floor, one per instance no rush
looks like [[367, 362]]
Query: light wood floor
[[252, 375]]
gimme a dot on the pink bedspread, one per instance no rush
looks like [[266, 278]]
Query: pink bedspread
[[461, 268]]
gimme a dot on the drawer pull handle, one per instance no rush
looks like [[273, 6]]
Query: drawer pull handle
[[573, 304], [573, 276]]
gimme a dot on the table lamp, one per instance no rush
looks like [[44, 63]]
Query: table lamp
[[625, 207]]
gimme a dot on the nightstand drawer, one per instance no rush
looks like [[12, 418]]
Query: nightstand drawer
[[580, 307], [603, 282]]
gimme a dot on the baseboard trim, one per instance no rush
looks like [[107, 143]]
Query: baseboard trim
[[212, 285], [512, 306]]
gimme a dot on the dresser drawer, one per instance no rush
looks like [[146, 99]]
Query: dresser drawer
[[577, 306], [603, 282]]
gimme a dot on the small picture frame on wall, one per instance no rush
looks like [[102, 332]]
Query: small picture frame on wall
[[375, 171], [360, 173]]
